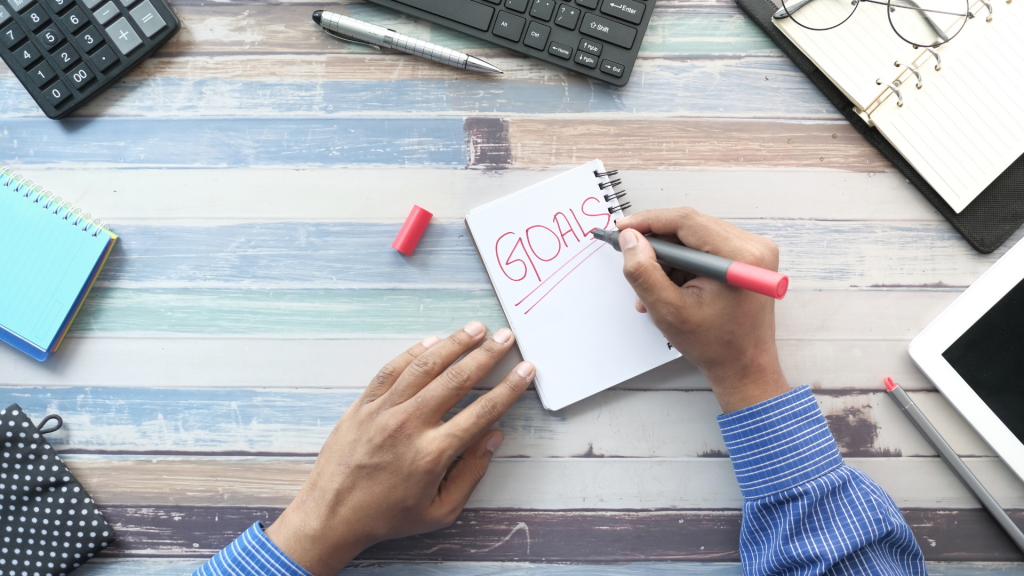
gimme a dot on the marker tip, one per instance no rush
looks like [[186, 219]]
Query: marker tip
[[889, 384]]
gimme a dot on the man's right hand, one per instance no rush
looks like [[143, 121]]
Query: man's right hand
[[729, 333]]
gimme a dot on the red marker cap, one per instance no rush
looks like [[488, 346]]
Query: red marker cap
[[411, 232], [757, 280]]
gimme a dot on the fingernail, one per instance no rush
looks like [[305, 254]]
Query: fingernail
[[494, 442], [525, 369], [503, 335], [431, 341], [475, 329], [627, 239]]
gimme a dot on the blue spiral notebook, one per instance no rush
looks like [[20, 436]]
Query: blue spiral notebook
[[50, 256]]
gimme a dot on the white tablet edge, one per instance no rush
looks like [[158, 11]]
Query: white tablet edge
[[927, 348]]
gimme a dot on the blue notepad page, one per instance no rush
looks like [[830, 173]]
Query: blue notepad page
[[49, 258]]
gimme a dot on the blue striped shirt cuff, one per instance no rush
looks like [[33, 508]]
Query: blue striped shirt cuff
[[779, 443], [251, 554]]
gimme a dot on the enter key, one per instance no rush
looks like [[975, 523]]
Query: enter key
[[628, 10]]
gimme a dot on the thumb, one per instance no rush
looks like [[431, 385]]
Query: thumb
[[462, 479], [642, 271]]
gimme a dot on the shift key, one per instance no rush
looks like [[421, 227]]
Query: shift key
[[605, 29]]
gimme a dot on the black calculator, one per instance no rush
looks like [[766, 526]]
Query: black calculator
[[598, 38], [65, 52]]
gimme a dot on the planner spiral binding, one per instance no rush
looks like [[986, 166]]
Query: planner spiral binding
[[614, 194], [12, 181]]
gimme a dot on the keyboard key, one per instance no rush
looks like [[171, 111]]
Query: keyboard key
[[91, 4], [66, 57], [560, 50], [591, 47], [5, 15], [57, 93], [466, 12], [605, 29], [613, 68], [36, 18], [12, 35], [59, 6], [90, 40], [27, 55], [81, 76], [104, 59], [20, 5], [542, 9], [106, 13], [568, 16], [592, 4], [75, 19], [509, 26], [51, 37], [148, 19], [517, 5], [588, 60], [42, 74], [124, 36], [628, 10], [537, 36], [128, 3]]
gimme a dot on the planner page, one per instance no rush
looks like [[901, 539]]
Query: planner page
[[46, 263], [965, 126], [562, 291]]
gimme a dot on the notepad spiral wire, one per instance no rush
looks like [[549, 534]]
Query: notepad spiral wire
[[614, 194], [11, 181]]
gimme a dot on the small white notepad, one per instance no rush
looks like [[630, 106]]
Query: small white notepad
[[562, 291]]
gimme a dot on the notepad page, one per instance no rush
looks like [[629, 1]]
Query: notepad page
[[853, 55], [965, 126], [562, 291], [45, 264]]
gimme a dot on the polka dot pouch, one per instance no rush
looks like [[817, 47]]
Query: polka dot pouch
[[48, 523]]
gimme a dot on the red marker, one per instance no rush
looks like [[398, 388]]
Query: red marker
[[724, 270]]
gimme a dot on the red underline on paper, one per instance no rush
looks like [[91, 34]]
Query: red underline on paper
[[567, 262], [603, 244]]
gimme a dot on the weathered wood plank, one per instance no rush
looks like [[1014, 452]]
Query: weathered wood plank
[[523, 483], [616, 423], [542, 536]]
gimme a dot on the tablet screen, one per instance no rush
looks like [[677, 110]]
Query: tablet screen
[[989, 356]]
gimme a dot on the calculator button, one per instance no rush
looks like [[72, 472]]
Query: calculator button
[[591, 46], [104, 58], [542, 9], [27, 55], [124, 36], [128, 3], [59, 6], [75, 19], [568, 16], [613, 68], [51, 37], [560, 50], [66, 57], [106, 13], [605, 29], [90, 39], [36, 18], [517, 5], [592, 4], [92, 4], [628, 10], [20, 5], [12, 35], [588, 60], [81, 76], [509, 26], [537, 36], [57, 93], [5, 15], [148, 19], [42, 74]]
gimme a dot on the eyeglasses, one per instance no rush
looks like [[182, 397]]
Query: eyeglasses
[[924, 23]]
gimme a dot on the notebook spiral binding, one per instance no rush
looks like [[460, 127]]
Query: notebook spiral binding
[[613, 194], [11, 181]]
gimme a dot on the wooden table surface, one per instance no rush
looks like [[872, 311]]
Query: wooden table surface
[[257, 172]]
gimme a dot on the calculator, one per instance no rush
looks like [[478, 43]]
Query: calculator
[[597, 38], [65, 52]]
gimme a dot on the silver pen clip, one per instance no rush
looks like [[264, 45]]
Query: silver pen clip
[[352, 40]]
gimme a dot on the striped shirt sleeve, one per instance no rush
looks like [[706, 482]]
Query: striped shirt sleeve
[[805, 512], [251, 554]]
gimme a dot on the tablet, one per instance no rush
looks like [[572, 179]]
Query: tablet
[[974, 354]]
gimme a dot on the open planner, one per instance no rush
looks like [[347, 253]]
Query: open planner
[[960, 124], [50, 256], [562, 291]]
